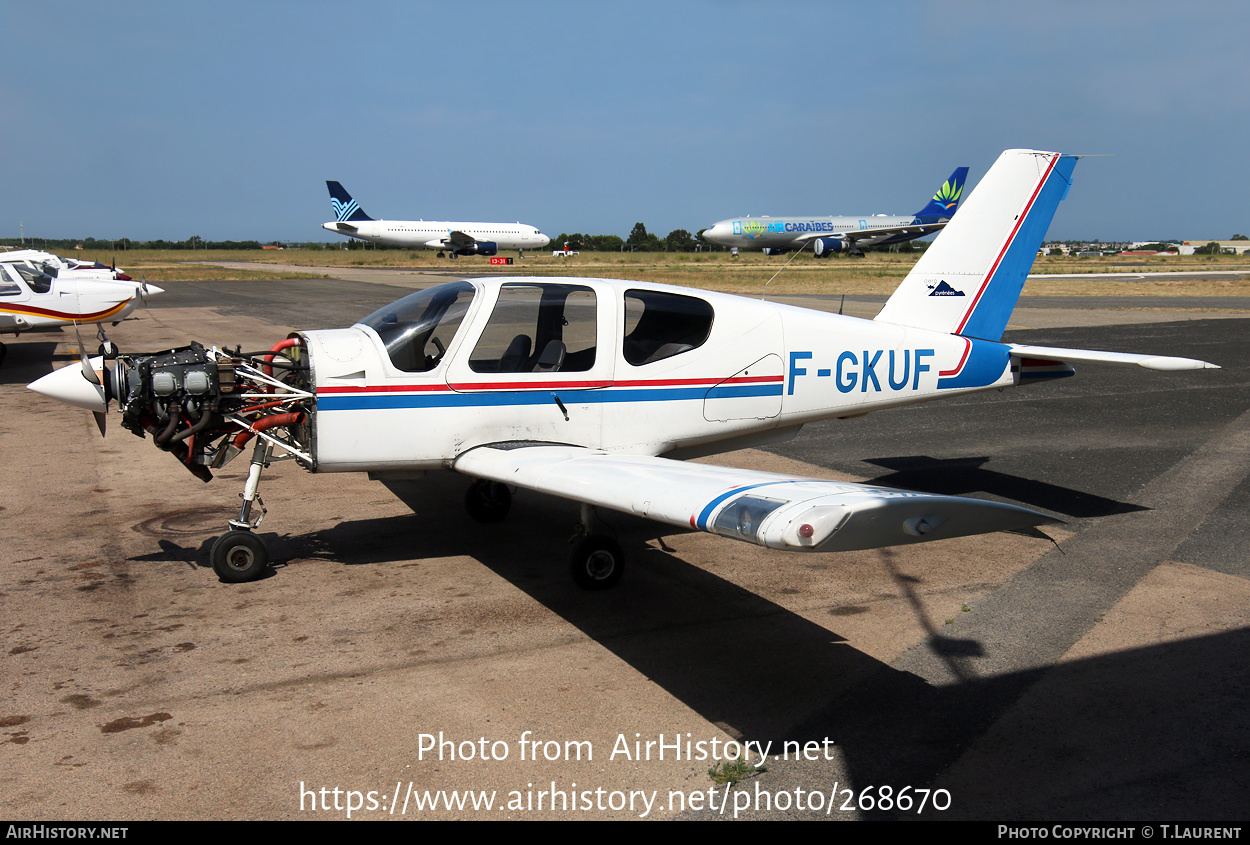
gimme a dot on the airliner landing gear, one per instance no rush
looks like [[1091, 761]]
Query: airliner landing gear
[[596, 561]]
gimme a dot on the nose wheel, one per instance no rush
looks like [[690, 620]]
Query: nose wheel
[[239, 556]]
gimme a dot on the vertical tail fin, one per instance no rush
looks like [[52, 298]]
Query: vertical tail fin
[[968, 281], [943, 204], [345, 208]]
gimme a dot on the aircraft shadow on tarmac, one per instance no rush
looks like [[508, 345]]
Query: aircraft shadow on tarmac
[[1149, 733], [961, 476], [27, 361]]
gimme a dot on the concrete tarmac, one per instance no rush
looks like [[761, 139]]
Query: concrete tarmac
[[400, 653]]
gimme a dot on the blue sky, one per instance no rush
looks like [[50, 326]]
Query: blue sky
[[224, 119]]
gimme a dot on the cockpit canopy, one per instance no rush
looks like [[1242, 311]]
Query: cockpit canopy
[[539, 326], [417, 329]]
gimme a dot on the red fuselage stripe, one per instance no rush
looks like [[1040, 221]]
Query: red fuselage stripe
[[31, 311], [545, 385]]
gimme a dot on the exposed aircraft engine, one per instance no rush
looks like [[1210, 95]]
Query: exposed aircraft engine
[[203, 405], [825, 247]]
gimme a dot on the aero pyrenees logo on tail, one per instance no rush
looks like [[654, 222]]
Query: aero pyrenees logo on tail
[[943, 289]]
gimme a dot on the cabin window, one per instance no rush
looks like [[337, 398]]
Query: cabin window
[[659, 325], [418, 329], [539, 328], [39, 282], [8, 287]]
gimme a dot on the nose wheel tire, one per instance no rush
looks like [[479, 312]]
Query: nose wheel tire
[[239, 556], [597, 562]]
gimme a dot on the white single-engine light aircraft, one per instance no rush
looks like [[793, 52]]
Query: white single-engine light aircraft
[[453, 238], [827, 235], [64, 268], [32, 299], [594, 390]]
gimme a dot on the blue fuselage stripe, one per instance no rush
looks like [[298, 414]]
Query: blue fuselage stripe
[[448, 399]]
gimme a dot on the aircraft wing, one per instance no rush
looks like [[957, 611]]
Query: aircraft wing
[[1119, 359], [868, 237], [770, 509], [459, 240]]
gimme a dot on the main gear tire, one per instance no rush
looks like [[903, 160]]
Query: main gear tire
[[597, 562]]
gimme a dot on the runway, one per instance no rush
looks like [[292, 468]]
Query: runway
[[1098, 673]]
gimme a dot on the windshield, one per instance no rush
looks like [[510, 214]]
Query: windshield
[[418, 328]]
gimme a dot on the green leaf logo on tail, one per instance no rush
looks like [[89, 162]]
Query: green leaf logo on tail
[[948, 194]]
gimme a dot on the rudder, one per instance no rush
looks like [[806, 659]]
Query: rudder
[[968, 281]]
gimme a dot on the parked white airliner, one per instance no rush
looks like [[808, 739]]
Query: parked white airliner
[[452, 238]]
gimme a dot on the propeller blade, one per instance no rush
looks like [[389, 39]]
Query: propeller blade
[[101, 420], [88, 372]]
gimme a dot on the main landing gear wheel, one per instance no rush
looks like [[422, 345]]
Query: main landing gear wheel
[[487, 501], [597, 562], [239, 556]]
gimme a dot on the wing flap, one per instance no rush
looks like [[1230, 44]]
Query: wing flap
[[769, 509]]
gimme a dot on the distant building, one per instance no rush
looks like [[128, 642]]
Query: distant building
[[1226, 247]]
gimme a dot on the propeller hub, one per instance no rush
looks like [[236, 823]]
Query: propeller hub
[[69, 385]]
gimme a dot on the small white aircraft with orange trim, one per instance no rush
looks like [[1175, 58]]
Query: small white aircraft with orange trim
[[595, 390], [32, 299]]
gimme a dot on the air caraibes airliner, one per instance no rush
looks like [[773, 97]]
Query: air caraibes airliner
[[454, 238], [827, 235]]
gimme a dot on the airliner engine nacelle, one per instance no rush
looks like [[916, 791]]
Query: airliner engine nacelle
[[486, 248], [769, 250], [825, 247]]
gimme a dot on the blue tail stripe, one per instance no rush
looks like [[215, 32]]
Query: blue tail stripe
[[989, 318], [985, 365]]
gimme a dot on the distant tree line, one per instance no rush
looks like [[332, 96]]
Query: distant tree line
[[121, 244], [639, 240]]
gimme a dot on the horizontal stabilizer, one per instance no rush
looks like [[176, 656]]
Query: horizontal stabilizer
[[1117, 359], [770, 509]]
